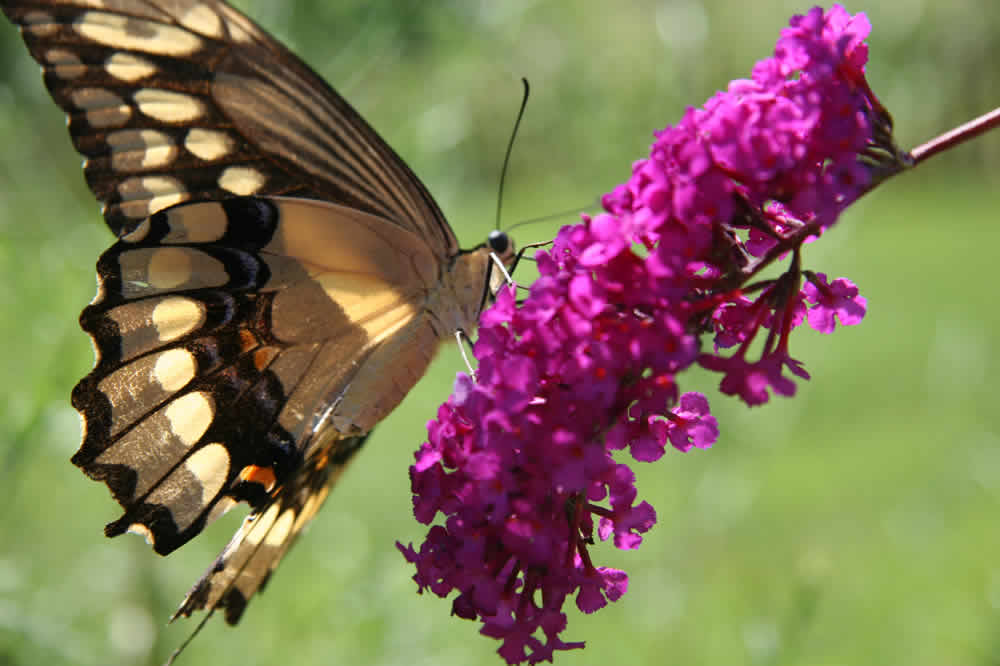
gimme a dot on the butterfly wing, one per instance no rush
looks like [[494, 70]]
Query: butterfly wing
[[241, 352], [216, 381], [180, 100]]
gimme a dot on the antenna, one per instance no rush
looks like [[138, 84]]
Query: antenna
[[592, 207], [510, 148]]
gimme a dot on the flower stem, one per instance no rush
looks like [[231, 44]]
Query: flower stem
[[960, 134]]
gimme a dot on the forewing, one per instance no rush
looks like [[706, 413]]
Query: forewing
[[181, 100]]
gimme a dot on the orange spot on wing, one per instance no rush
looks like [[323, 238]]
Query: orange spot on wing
[[247, 340], [321, 459], [262, 475], [263, 357]]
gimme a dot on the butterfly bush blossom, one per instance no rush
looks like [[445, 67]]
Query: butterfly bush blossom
[[519, 461]]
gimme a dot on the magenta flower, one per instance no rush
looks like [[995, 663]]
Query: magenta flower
[[519, 461], [838, 300]]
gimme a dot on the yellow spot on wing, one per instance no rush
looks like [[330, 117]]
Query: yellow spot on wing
[[258, 529], [102, 108], [143, 531], [200, 223], [168, 106], [174, 369], [210, 465], [128, 67], [143, 196], [169, 267], [127, 33], [242, 181], [190, 415], [311, 506], [208, 144], [176, 316], [132, 150], [204, 20], [282, 527], [39, 23], [65, 64], [146, 270]]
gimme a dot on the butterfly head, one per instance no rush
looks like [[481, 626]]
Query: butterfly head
[[502, 257], [501, 245]]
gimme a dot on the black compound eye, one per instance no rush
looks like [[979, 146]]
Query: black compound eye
[[498, 241]]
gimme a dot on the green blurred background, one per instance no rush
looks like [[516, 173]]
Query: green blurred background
[[854, 524]]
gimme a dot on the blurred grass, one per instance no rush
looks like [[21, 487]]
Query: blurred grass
[[853, 524]]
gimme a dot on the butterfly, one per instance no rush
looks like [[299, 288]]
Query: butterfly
[[280, 281]]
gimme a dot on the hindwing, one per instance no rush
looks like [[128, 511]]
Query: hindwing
[[229, 353], [246, 564]]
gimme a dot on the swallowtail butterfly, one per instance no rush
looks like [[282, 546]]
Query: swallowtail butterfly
[[281, 278]]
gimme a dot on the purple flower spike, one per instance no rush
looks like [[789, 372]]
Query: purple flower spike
[[519, 462]]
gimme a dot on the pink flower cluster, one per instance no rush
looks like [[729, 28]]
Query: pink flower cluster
[[519, 460]]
